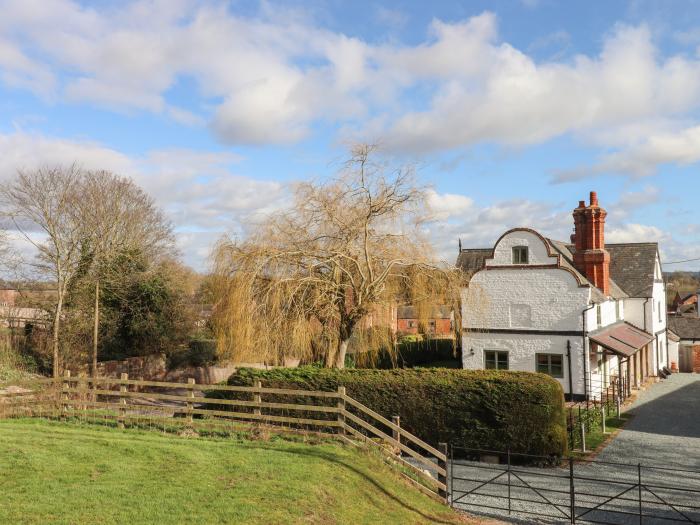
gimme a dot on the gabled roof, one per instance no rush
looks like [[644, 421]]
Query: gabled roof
[[685, 327], [472, 259], [632, 266]]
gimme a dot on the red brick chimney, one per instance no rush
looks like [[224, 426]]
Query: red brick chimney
[[590, 256]]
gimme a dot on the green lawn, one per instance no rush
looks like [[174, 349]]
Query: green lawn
[[53, 472]]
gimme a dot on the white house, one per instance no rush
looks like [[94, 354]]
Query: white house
[[587, 313]]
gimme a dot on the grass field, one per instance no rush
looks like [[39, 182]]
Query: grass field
[[61, 473]]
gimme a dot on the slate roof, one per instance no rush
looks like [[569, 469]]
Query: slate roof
[[685, 327], [632, 266], [472, 259]]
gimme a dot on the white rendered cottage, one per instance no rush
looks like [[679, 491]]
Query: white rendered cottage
[[583, 312]]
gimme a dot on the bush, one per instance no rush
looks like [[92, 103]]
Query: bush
[[485, 409]]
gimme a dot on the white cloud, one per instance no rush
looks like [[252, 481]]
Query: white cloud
[[269, 78], [635, 233], [643, 158], [444, 206]]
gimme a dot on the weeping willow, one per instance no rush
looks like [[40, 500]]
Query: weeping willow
[[323, 275]]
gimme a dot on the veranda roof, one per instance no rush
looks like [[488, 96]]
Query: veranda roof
[[621, 338]]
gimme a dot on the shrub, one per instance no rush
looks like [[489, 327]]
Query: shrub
[[485, 409]]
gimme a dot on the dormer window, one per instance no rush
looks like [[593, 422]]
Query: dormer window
[[520, 255]]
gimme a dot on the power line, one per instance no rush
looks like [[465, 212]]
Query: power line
[[678, 262]]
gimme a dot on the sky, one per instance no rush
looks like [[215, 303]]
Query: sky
[[511, 110]]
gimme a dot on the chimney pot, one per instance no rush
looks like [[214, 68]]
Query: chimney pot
[[581, 204], [594, 198]]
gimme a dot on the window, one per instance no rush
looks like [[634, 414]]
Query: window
[[598, 315], [519, 254], [550, 364], [659, 308], [617, 310], [431, 325], [494, 360]]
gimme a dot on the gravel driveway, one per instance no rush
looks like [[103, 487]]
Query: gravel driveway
[[666, 426], [664, 434]]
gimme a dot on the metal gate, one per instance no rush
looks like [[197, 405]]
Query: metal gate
[[525, 488]]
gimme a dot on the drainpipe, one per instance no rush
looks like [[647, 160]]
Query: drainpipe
[[584, 337], [568, 360]]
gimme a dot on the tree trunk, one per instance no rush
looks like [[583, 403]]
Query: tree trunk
[[342, 351], [95, 328], [56, 329]]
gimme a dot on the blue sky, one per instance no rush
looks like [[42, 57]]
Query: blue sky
[[513, 110]]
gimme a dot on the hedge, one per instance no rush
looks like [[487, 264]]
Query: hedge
[[484, 409]]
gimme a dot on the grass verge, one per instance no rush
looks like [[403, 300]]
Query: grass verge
[[61, 473]]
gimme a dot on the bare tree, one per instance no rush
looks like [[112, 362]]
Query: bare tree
[[346, 250], [43, 207], [118, 219]]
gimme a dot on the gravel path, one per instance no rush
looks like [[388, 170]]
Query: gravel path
[[666, 426], [665, 433]]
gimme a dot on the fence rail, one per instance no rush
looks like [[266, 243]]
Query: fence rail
[[181, 406]]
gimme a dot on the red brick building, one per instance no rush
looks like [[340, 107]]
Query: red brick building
[[439, 323]]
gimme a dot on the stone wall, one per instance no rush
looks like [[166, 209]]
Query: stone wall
[[154, 368]]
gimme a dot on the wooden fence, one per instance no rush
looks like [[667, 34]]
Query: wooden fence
[[180, 406]]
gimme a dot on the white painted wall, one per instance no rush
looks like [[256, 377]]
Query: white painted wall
[[503, 255], [522, 349], [501, 298]]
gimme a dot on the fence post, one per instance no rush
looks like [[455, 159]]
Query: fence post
[[190, 394], [618, 407], [123, 387], [257, 397], [639, 492], [602, 411], [64, 395], [572, 492], [444, 464], [341, 410], [583, 437], [396, 420]]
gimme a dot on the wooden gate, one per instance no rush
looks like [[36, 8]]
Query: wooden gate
[[686, 358]]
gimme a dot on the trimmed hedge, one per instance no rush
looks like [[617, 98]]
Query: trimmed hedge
[[485, 409]]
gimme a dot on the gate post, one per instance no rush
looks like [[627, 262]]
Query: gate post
[[444, 464], [639, 492], [509, 502], [572, 493]]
